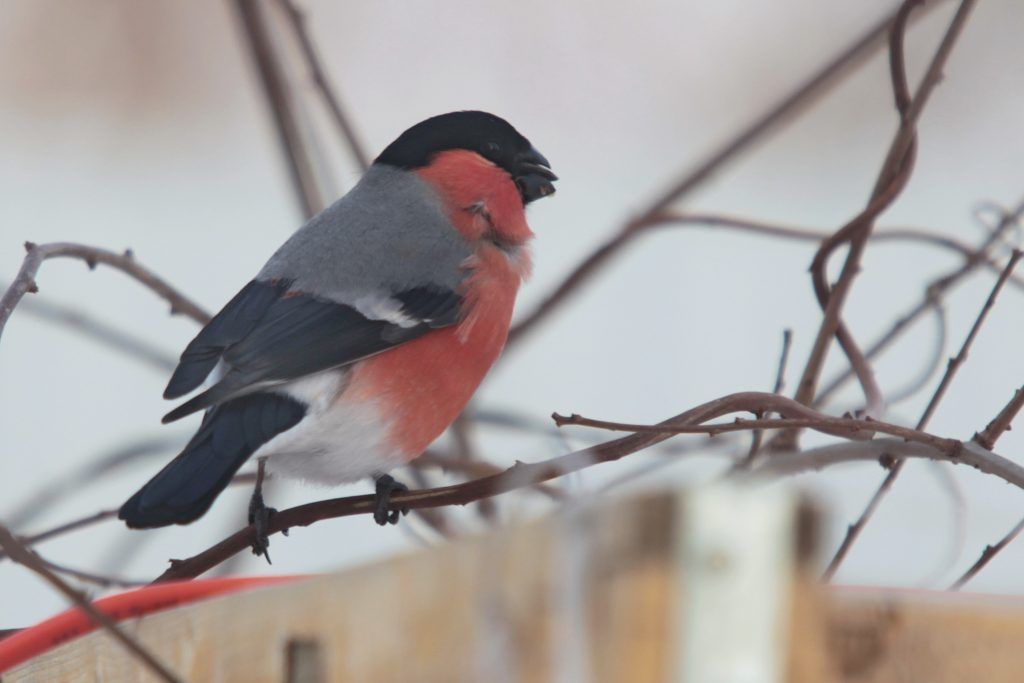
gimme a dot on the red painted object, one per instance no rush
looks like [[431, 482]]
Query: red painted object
[[35, 640]]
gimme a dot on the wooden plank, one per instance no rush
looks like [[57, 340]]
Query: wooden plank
[[590, 594], [908, 637], [582, 593]]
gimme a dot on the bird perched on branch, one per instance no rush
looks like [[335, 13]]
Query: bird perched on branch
[[367, 332]]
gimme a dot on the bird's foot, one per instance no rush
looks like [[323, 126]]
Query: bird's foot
[[260, 516], [383, 513]]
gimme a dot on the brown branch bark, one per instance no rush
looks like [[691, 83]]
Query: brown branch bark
[[987, 555], [780, 381], [800, 99], [987, 439], [854, 530], [933, 293], [25, 557], [523, 475], [301, 170], [518, 476], [25, 283], [892, 178], [885, 451], [849, 428], [101, 580], [1001, 422], [323, 84], [101, 516]]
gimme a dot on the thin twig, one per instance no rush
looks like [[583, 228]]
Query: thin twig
[[932, 296], [465, 450], [1001, 423], [800, 99], [523, 475], [592, 263], [518, 476], [279, 100], [892, 178], [987, 439], [932, 365], [853, 531], [68, 527], [957, 362], [885, 451], [780, 380], [319, 75], [101, 580], [25, 557], [850, 428], [476, 468], [103, 515], [76, 479], [987, 555], [435, 519], [25, 283]]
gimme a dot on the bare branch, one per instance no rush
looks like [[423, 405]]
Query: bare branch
[[25, 557], [522, 475], [25, 283], [1001, 422], [101, 580], [519, 476], [780, 379], [886, 451], [853, 531], [74, 480], [932, 297], [800, 99], [987, 555], [101, 516], [476, 468], [849, 428], [280, 102], [323, 84], [74, 525], [892, 178]]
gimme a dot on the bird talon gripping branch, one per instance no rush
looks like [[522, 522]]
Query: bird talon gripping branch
[[259, 518], [367, 332], [383, 512]]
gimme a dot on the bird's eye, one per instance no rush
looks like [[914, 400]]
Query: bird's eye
[[492, 148]]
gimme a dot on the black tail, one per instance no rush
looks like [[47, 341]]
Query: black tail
[[186, 487]]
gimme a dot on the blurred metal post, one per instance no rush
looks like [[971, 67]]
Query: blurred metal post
[[737, 561]]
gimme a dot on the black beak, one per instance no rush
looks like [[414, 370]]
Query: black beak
[[533, 175]]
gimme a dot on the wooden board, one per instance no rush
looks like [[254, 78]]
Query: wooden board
[[592, 594]]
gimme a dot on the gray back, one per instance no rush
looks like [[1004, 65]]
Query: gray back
[[389, 232]]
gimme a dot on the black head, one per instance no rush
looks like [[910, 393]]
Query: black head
[[486, 134]]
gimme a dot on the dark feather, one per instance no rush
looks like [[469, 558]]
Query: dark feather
[[231, 325], [186, 487], [298, 335]]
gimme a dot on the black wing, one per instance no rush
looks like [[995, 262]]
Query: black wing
[[269, 334], [186, 487]]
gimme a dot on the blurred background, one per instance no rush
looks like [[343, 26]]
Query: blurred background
[[144, 125]]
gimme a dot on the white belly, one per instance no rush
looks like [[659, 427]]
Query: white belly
[[336, 442]]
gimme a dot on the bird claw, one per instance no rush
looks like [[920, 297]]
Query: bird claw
[[259, 518], [383, 513]]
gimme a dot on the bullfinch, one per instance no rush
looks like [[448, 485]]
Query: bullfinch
[[365, 335]]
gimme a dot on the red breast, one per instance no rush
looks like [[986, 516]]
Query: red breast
[[423, 385]]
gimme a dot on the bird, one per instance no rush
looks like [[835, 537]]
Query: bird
[[367, 332]]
